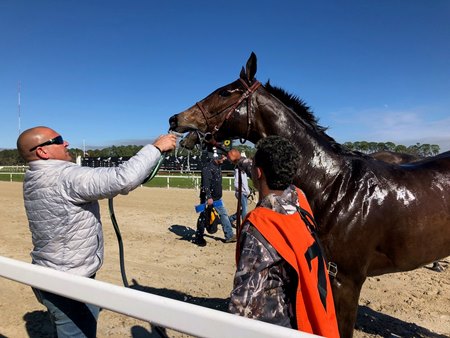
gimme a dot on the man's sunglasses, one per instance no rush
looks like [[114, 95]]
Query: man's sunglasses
[[55, 140]]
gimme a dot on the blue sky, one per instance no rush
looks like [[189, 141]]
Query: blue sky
[[112, 72]]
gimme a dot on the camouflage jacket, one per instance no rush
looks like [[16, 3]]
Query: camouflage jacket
[[265, 284]]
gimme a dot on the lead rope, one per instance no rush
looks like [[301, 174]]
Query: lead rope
[[239, 204], [158, 329], [116, 225]]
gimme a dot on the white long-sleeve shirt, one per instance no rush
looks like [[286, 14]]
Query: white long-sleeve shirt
[[245, 188]]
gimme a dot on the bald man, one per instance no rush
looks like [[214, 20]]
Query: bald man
[[61, 202]]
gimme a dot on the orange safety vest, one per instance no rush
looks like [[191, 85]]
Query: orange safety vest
[[290, 237]]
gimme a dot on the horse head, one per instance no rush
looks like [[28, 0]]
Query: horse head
[[223, 108]]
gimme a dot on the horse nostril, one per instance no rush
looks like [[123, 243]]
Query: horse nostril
[[173, 122]]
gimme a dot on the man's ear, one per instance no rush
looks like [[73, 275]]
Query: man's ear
[[259, 173], [42, 154]]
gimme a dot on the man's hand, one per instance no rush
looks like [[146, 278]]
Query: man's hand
[[166, 142], [234, 156]]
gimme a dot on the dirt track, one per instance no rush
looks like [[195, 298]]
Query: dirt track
[[156, 225]]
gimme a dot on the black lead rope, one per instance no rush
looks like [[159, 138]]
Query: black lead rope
[[116, 225], [119, 240], [158, 329], [239, 203]]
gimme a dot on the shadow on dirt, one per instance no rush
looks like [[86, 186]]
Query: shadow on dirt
[[220, 304], [188, 234], [377, 323], [185, 233], [212, 303]]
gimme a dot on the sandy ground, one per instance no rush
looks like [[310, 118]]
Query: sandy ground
[[156, 226]]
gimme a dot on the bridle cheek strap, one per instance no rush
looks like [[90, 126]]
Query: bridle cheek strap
[[202, 109], [247, 95]]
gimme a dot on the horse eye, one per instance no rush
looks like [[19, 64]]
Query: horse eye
[[224, 93]]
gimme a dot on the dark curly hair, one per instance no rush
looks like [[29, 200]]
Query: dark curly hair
[[279, 160]]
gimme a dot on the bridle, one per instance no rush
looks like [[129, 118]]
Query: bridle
[[247, 95]]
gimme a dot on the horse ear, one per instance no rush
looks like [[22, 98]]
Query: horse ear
[[251, 67], [248, 74], [242, 75]]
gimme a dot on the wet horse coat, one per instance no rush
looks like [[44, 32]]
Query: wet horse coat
[[394, 157], [374, 217]]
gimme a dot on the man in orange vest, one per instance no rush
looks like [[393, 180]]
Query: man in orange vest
[[281, 275]]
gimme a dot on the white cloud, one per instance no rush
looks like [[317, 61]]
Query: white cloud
[[398, 126]]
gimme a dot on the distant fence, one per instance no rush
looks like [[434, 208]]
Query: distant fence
[[13, 168], [177, 315], [12, 173], [159, 181], [12, 177]]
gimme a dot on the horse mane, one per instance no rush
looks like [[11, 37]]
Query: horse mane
[[299, 107]]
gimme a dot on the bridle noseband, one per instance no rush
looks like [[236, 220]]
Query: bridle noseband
[[247, 95]]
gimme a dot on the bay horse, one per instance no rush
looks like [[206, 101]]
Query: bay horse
[[397, 158], [374, 218]]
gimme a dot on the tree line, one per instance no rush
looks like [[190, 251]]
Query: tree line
[[11, 156], [420, 150]]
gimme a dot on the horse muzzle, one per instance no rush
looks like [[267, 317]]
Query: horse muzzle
[[173, 122]]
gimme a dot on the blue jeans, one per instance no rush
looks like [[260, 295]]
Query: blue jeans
[[243, 208], [70, 318], [224, 220]]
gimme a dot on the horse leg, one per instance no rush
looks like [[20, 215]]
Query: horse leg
[[346, 292]]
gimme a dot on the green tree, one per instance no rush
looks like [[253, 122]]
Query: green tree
[[381, 146], [349, 146], [425, 150], [414, 149], [400, 148], [10, 157], [248, 150], [435, 149], [364, 147], [390, 146]]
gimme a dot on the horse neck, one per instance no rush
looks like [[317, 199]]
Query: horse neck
[[319, 163]]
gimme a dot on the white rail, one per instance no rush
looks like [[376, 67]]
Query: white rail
[[184, 317]]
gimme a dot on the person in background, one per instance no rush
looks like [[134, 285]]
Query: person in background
[[281, 274], [241, 162], [211, 191], [61, 203], [245, 191]]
